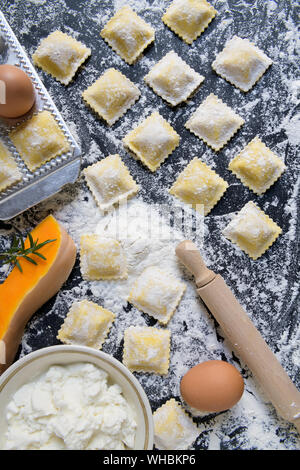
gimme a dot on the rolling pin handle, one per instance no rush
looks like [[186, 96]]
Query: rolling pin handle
[[191, 258]]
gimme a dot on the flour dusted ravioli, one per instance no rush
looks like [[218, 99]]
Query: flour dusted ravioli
[[252, 230], [101, 258], [9, 171], [39, 139], [61, 56], [152, 141], [199, 185], [147, 349], [214, 122], [189, 18], [157, 293], [128, 34], [110, 181], [86, 324], [241, 63], [257, 166], [173, 428], [173, 79], [111, 95]]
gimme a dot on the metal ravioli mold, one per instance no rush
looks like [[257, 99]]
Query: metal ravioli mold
[[48, 179]]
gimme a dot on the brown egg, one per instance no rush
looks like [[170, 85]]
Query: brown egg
[[212, 386], [17, 94]]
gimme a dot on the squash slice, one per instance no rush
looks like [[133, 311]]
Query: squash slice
[[23, 293]]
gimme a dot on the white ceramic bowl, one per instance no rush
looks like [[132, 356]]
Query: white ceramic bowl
[[32, 365]]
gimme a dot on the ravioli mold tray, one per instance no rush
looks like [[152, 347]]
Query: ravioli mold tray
[[52, 176]]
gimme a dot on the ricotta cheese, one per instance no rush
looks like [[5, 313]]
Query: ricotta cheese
[[70, 407]]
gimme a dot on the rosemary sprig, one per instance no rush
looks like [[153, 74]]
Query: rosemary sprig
[[18, 250]]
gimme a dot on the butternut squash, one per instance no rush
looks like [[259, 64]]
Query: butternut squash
[[23, 293]]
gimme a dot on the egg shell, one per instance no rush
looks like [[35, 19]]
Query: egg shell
[[212, 386], [17, 92]]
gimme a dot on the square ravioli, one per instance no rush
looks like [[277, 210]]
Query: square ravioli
[[86, 324], [173, 79], [252, 230], [214, 122], [241, 63], [128, 34], [111, 95], [173, 428], [147, 349], [39, 139], [157, 293], [199, 185], [60, 55], [152, 141], [101, 258], [110, 181], [189, 18], [9, 171], [257, 166]]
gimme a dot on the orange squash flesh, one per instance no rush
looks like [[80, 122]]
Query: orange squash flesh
[[18, 284], [21, 294]]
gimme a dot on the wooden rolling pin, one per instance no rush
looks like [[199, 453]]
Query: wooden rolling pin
[[245, 339]]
